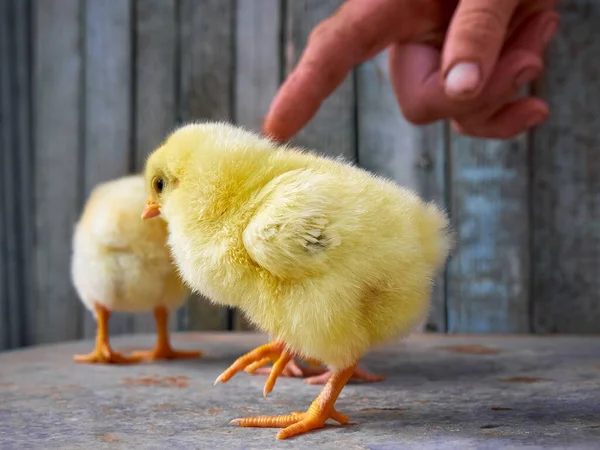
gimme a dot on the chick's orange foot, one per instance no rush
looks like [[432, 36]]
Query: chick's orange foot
[[294, 423], [163, 349], [260, 356], [314, 375], [103, 354], [321, 409]]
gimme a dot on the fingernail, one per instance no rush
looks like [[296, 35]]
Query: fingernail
[[526, 76], [462, 79], [549, 31]]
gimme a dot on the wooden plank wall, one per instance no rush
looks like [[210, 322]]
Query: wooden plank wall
[[16, 203], [89, 87], [565, 177]]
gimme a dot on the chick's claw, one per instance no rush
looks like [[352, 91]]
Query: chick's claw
[[256, 358]]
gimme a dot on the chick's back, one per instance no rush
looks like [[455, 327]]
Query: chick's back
[[358, 255], [119, 260]]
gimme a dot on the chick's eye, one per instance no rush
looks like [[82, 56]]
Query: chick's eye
[[159, 184]]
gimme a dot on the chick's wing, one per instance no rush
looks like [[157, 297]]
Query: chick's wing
[[292, 234]]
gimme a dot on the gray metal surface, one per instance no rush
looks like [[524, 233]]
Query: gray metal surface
[[442, 392]]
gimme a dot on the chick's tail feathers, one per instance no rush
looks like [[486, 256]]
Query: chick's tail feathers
[[436, 235]]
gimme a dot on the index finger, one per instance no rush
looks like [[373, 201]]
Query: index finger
[[356, 32]]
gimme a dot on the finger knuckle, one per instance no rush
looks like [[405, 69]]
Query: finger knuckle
[[480, 27]]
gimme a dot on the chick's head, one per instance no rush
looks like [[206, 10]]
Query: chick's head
[[211, 159], [164, 169]]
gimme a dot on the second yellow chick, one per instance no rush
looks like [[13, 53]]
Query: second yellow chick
[[122, 264]]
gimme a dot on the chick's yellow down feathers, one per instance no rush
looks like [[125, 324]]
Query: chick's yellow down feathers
[[325, 257], [122, 264]]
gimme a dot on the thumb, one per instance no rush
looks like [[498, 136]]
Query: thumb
[[473, 43]]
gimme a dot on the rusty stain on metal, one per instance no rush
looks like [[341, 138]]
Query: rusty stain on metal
[[214, 410], [471, 349]]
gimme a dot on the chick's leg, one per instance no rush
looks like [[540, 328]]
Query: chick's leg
[[314, 375], [163, 349], [319, 411], [273, 351], [102, 353]]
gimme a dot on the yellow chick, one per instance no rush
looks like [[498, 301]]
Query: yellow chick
[[325, 257], [122, 264]]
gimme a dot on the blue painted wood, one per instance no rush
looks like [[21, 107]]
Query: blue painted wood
[[566, 179], [488, 274]]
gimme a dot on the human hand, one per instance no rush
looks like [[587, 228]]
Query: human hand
[[465, 61]]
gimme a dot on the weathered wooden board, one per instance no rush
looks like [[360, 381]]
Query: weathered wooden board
[[257, 70], [4, 149], [258, 60], [56, 312], [16, 213], [332, 131], [6, 296], [566, 179], [22, 95], [206, 92], [388, 145], [108, 89], [156, 59], [488, 275], [441, 392]]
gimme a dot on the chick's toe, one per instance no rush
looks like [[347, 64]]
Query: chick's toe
[[321, 409], [252, 361], [104, 354]]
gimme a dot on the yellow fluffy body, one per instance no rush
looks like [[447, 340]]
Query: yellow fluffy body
[[118, 260], [321, 255]]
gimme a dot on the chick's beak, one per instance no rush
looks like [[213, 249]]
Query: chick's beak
[[152, 209]]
